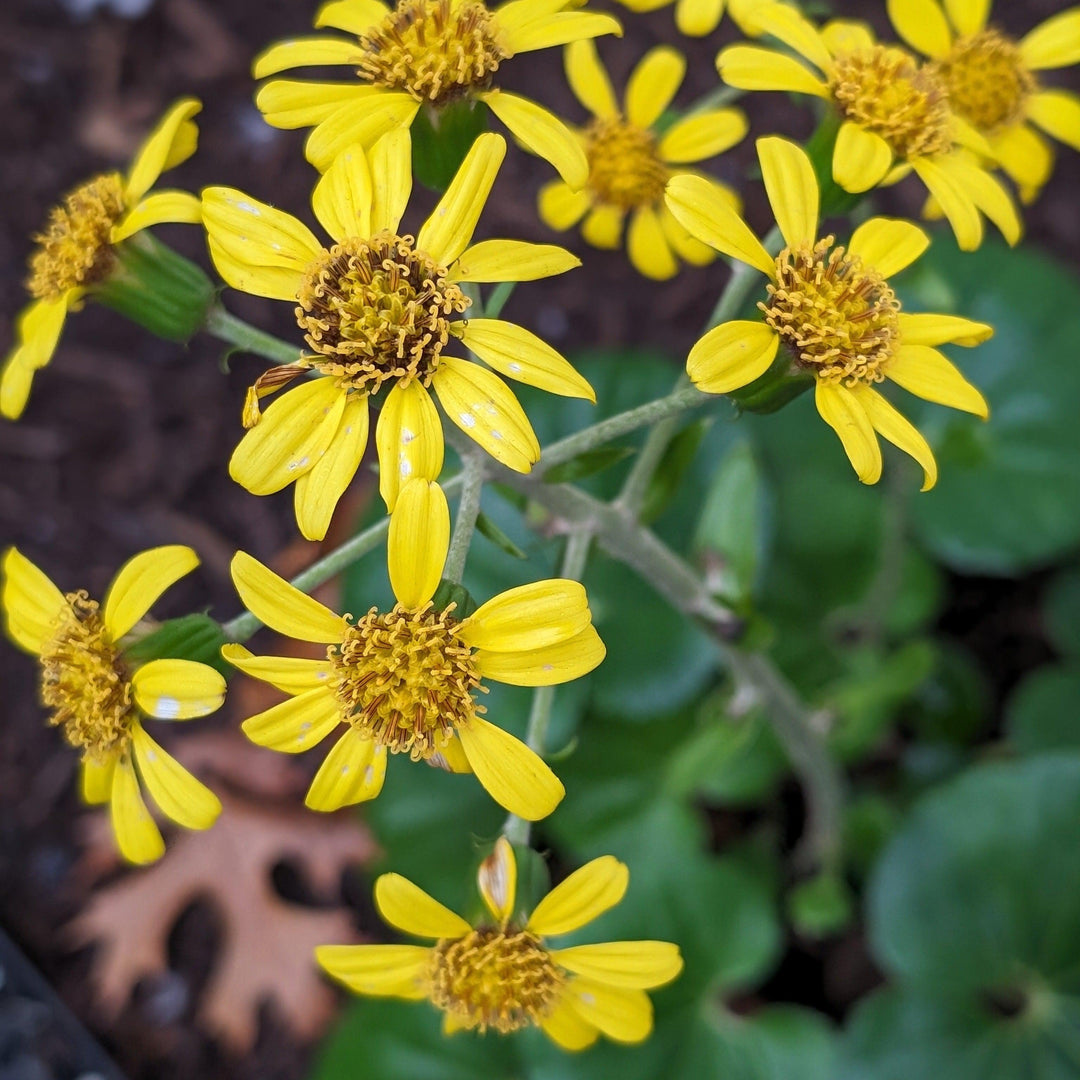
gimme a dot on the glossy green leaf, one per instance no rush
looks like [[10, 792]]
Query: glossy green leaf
[[488, 529], [1043, 712]]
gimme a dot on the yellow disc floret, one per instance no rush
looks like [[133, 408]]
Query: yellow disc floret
[[885, 91], [432, 49], [838, 318], [377, 309], [624, 167], [988, 82], [501, 979], [405, 679], [84, 682], [74, 248]]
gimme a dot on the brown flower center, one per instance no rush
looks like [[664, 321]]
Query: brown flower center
[[988, 82], [624, 169]]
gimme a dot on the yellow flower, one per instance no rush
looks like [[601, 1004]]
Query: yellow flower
[[378, 307], [696, 18], [993, 83], [422, 52], [75, 252], [834, 311], [894, 116], [402, 681], [96, 694], [629, 163], [502, 974]]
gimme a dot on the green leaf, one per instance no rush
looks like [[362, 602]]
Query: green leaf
[[1044, 710], [672, 469], [191, 637], [450, 592], [588, 463], [487, 528], [442, 137], [1063, 611], [821, 906]]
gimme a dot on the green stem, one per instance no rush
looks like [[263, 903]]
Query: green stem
[[247, 337], [498, 298], [468, 510]]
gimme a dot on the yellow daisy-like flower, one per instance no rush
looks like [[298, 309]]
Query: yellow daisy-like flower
[[833, 310], [696, 18], [379, 307], [894, 116], [75, 252], [502, 974], [402, 681], [422, 52], [97, 695], [993, 80], [629, 163]]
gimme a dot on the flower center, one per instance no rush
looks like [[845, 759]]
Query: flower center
[[624, 169], [837, 317], [84, 682], [74, 249], [886, 92], [432, 49], [988, 82], [405, 679], [377, 309], [503, 979]]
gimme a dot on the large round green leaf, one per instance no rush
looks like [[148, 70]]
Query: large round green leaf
[[1044, 710]]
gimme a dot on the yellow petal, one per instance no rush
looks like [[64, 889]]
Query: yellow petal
[[497, 881], [32, 603], [418, 542], [787, 24], [514, 351], [696, 18], [390, 160], [39, 328], [567, 1030], [792, 189], [542, 133], [956, 203], [632, 965], [732, 355], [846, 36], [409, 439], [317, 491], [925, 372], [320, 51], [281, 606], [295, 725], [968, 16], [512, 260], [588, 79], [275, 282], [922, 24], [97, 780], [561, 208], [352, 773], [581, 897], [295, 103], [528, 617], [1057, 112], [377, 970], [178, 794], [352, 16], [290, 437], [360, 122], [987, 193], [925, 329], [559, 29], [137, 836], [648, 248], [485, 408], [603, 227], [653, 84], [889, 245], [1054, 43], [446, 234], [157, 209], [1024, 155], [751, 68], [178, 689], [545, 666], [406, 907], [685, 246], [451, 757], [512, 774], [624, 1016], [140, 581], [842, 412], [964, 134], [891, 425], [293, 674], [706, 212], [170, 143], [861, 158], [702, 135], [343, 196]]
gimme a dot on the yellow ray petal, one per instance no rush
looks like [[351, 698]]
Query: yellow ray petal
[[702, 135], [275, 282], [541, 132], [603, 227], [1054, 43], [343, 196], [861, 158], [751, 68], [624, 1016], [446, 234], [987, 193], [318, 51], [787, 24], [567, 1029], [528, 617], [581, 897], [157, 209], [450, 757], [352, 16], [497, 881], [409, 438], [390, 160], [1024, 155], [418, 542], [377, 970], [178, 689], [922, 24], [297, 103], [545, 666], [889, 245], [512, 774], [632, 965], [926, 329], [891, 425], [792, 189], [846, 36], [588, 79], [955, 202], [706, 212], [485, 408], [512, 260], [968, 16], [842, 412], [281, 606], [732, 355], [925, 372], [293, 674], [96, 786], [170, 143], [648, 248], [352, 773], [32, 603], [685, 246], [561, 208], [558, 29], [178, 794], [140, 581], [406, 907], [696, 18], [39, 327], [653, 84], [1057, 112], [360, 122], [137, 836], [295, 725]]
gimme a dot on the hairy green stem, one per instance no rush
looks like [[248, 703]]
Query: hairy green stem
[[249, 338], [468, 510]]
